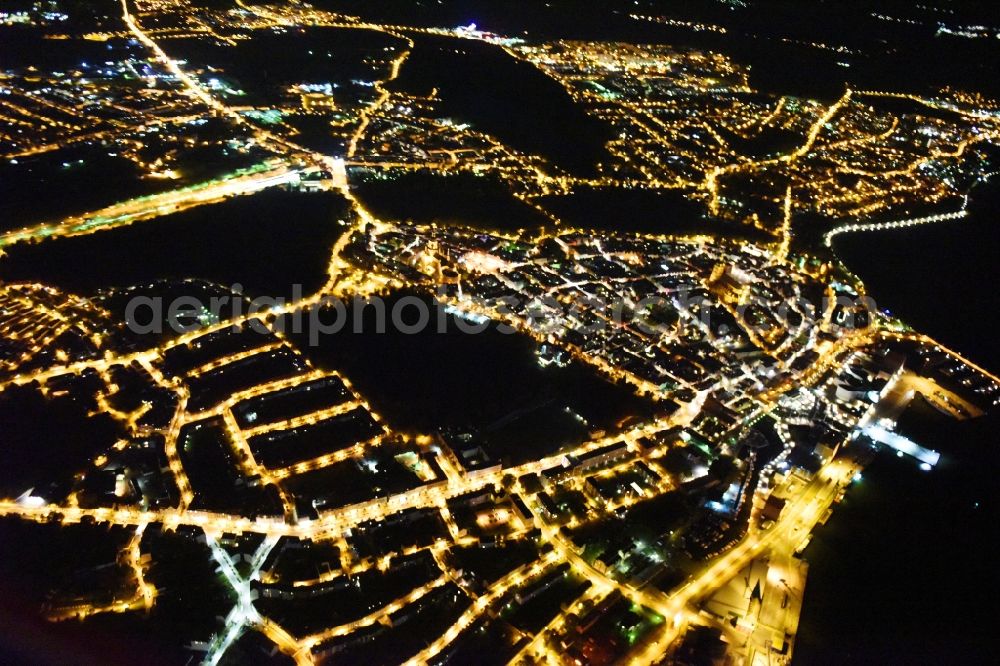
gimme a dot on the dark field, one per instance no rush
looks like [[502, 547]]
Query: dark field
[[463, 380], [266, 242], [644, 211], [31, 555], [890, 54], [87, 176], [511, 100], [72, 180], [45, 441], [308, 55], [462, 199]]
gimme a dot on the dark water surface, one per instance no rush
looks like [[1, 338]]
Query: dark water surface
[[904, 571], [940, 278]]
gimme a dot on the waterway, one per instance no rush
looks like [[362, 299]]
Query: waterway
[[902, 572], [939, 278]]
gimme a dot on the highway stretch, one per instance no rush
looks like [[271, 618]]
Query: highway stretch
[[245, 181]]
